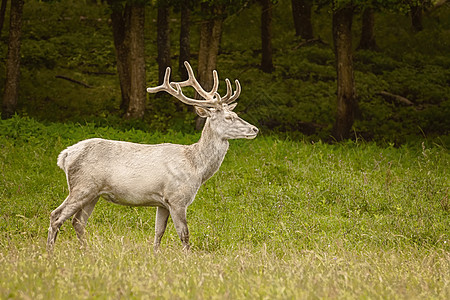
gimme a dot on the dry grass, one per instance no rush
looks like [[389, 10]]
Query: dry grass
[[120, 267]]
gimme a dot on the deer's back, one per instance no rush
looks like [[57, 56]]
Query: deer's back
[[129, 173]]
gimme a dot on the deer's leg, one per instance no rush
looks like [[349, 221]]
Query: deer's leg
[[180, 222], [73, 203], [162, 214], [80, 219], [54, 228]]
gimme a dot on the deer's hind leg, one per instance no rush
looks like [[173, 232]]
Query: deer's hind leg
[[76, 200], [162, 215], [80, 219]]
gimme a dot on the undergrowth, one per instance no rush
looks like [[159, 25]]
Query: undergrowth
[[74, 39]]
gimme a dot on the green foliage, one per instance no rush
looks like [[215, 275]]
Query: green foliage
[[73, 39], [423, 83], [280, 219]]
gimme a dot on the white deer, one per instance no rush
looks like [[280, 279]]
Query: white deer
[[167, 176]]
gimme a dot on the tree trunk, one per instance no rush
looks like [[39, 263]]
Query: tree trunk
[[136, 108], [301, 11], [2, 14], [185, 43], [163, 40], [266, 36], [11, 91], [128, 34], [346, 96], [416, 17], [367, 33], [120, 18], [210, 36]]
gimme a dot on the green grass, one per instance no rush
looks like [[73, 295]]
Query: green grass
[[280, 219]]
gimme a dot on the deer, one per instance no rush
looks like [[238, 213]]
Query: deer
[[167, 175]]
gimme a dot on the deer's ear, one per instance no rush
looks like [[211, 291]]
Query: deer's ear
[[202, 112], [232, 106]]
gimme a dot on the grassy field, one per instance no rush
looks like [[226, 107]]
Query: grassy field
[[281, 219]]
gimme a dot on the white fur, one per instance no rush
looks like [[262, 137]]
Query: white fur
[[167, 176]]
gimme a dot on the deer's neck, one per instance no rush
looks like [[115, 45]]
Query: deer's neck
[[209, 152]]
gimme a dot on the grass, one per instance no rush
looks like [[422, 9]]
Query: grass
[[281, 219], [123, 268]]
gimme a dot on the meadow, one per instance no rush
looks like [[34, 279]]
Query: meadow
[[281, 219]]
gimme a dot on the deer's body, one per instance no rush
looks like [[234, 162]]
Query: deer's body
[[128, 173], [167, 176], [142, 175]]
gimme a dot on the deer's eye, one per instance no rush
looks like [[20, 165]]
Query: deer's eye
[[229, 118]]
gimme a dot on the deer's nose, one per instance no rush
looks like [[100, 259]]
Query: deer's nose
[[255, 130]]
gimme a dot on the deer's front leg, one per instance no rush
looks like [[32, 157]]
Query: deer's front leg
[[179, 220], [162, 214]]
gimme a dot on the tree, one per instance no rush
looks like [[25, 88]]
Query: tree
[[136, 107], [416, 8], [120, 16], [343, 10], [346, 95], [266, 36], [11, 91], [210, 36], [163, 39], [213, 14], [2, 14], [367, 40], [185, 40], [128, 33], [301, 11]]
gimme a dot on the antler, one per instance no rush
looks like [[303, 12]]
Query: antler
[[192, 81], [212, 98], [228, 98]]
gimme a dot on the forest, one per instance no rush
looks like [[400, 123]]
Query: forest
[[392, 84]]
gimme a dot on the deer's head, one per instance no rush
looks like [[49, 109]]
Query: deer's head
[[218, 110]]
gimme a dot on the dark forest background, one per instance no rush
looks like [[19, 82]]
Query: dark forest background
[[77, 60]]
